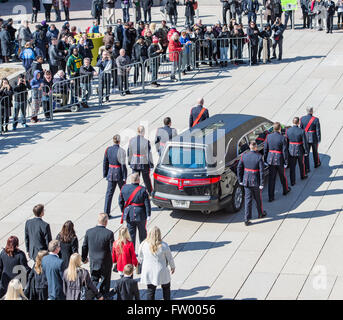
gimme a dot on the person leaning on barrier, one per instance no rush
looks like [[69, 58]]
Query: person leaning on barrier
[[139, 55], [60, 87], [264, 42], [198, 114], [114, 170], [164, 134], [123, 72], [224, 36], [154, 51], [250, 173], [140, 158], [278, 29], [20, 101], [209, 45], [185, 58], [105, 66], [87, 72], [135, 206]]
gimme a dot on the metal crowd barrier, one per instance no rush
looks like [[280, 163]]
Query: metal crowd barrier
[[219, 50], [23, 106]]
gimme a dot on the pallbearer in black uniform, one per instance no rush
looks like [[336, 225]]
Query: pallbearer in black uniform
[[198, 113], [140, 157], [276, 155], [311, 126], [164, 134], [250, 173], [135, 206], [114, 170], [298, 149]]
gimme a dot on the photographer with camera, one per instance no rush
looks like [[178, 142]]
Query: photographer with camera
[[278, 29], [20, 101]]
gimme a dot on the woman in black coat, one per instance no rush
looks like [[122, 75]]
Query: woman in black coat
[[35, 10], [37, 284], [68, 241], [6, 94], [5, 39], [11, 259]]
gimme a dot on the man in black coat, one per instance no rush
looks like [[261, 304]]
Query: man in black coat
[[226, 8], [198, 113], [189, 12], [56, 57], [135, 206], [37, 233], [98, 243], [330, 12], [114, 170], [146, 5]]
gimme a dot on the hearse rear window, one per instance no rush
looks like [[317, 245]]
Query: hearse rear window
[[185, 158]]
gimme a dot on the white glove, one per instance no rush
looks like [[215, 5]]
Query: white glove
[[261, 187], [148, 218], [285, 166], [241, 183]]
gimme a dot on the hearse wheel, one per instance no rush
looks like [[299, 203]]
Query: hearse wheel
[[237, 198], [75, 108]]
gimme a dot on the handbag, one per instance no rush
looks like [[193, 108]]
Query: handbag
[[83, 295]]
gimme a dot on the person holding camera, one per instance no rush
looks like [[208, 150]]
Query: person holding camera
[[20, 101], [278, 29], [264, 43]]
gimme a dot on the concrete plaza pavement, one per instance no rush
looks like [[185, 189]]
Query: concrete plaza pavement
[[293, 253]]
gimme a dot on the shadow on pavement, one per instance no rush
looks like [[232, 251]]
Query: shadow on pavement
[[197, 245]]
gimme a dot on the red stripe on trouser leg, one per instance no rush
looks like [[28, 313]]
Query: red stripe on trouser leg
[[304, 165], [317, 155], [261, 200], [284, 174]]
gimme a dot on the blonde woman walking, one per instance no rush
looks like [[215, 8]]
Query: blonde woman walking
[[14, 291], [37, 288], [76, 278], [155, 256], [123, 251]]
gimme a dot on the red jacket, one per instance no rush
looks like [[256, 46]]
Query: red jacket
[[127, 256], [174, 48]]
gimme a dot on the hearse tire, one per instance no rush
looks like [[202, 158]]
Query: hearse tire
[[237, 200]]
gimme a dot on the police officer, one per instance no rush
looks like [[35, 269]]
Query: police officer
[[250, 172], [164, 134], [198, 113], [297, 148], [140, 157], [311, 126], [114, 170], [135, 205], [276, 155]]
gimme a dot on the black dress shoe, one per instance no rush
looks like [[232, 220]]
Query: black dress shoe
[[318, 165], [247, 222], [264, 213], [304, 177], [271, 200], [289, 190], [292, 183]]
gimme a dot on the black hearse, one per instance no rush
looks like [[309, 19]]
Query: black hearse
[[197, 169]]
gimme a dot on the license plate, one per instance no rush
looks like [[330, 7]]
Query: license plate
[[180, 203]]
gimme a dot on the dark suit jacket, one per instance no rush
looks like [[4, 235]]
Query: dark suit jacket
[[37, 236], [53, 269], [98, 243], [126, 289]]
